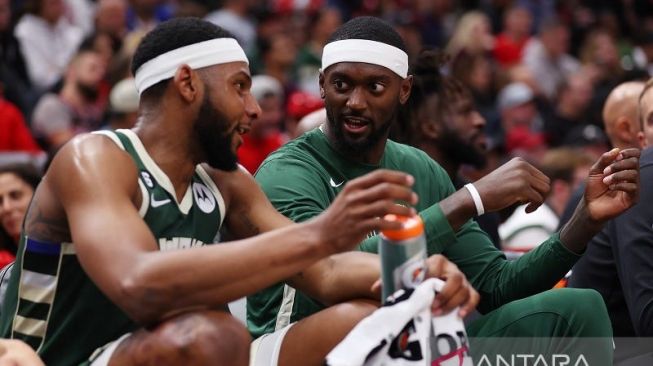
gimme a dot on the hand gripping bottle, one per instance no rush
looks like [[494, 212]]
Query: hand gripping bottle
[[403, 254]]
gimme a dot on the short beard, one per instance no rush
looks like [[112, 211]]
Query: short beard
[[210, 130], [459, 151], [346, 146]]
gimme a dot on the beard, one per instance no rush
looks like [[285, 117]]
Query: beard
[[90, 93], [211, 130], [460, 151], [360, 146]]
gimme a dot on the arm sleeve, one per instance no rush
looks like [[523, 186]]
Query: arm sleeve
[[632, 242], [498, 280]]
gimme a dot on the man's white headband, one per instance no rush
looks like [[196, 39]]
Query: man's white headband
[[370, 52], [197, 55]]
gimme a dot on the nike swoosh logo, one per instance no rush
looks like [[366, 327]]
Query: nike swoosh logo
[[334, 185], [154, 203]]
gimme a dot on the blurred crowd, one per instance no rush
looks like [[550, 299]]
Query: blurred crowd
[[538, 73]]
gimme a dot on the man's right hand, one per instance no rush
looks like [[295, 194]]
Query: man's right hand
[[360, 206], [516, 181]]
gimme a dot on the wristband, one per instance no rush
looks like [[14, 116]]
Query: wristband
[[476, 198]]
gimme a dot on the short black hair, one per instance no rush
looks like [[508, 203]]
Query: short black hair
[[168, 36], [371, 29]]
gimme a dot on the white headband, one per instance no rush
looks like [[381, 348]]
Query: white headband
[[197, 55], [370, 52]]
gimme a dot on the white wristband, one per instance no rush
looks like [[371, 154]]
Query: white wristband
[[476, 198]]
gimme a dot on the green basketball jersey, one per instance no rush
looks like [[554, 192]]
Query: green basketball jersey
[[54, 306], [302, 178]]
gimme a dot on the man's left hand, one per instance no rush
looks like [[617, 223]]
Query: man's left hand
[[612, 184], [457, 291]]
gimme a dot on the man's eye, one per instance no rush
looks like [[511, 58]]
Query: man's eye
[[377, 87], [340, 84]]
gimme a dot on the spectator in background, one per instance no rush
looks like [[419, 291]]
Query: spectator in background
[[265, 135], [547, 58], [600, 57], [299, 105], [59, 117], [278, 55], [523, 231], [571, 108], [234, 16], [111, 18], [510, 43], [15, 135], [80, 13], [643, 52], [520, 133], [123, 105], [589, 138], [47, 40], [622, 126], [472, 36], [309, 57], [144, 15], [17, 185], [14, 81]]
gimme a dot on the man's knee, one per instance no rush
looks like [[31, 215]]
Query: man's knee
[[200, 338], [583, 309], [353, 312], [209, 335]]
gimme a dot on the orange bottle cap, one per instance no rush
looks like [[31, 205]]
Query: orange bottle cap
[[413, 226]]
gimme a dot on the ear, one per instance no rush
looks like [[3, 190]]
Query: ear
[[187, 83], [641, 139], [406, 86], [624, 130], [321, 79], [428, 128]]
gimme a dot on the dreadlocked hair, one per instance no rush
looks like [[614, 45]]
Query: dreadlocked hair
[[429, 83]]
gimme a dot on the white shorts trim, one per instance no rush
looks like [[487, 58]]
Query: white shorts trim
[[106, 352], [264, 351]]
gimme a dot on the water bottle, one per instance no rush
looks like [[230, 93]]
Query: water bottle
[[403, 254]]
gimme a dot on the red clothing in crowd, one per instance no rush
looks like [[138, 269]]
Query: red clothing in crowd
[[15, 135], [508, 52], [6, 257], [253, 151]]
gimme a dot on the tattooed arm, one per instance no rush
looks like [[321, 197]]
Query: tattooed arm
[[337, 278], [95, 182]]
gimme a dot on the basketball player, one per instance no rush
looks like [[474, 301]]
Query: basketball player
[[364, 82]]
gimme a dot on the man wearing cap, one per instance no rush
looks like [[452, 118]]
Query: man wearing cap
[[123, 105], [112, 266], [364, 81], [518, 112]]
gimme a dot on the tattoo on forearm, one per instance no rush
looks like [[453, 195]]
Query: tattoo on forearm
[[249, 227]]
